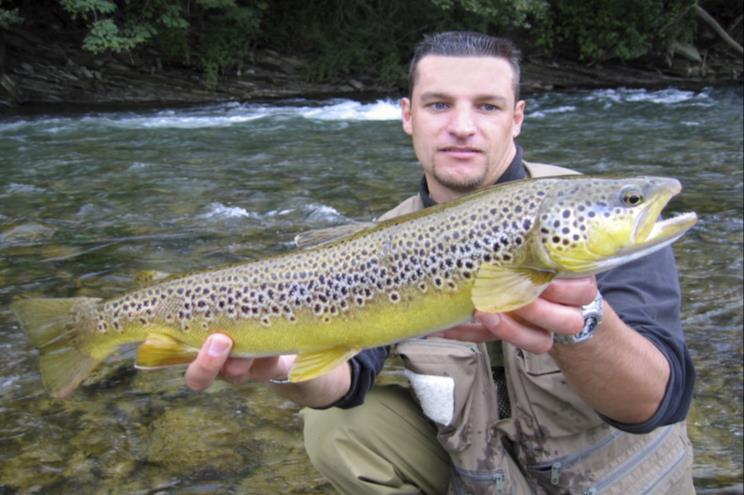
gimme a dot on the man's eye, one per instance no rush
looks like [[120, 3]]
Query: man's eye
[[489, 107], [438, 105]]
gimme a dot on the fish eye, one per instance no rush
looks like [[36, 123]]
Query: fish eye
[[632, 197]]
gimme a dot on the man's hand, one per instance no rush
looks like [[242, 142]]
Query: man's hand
[[531, 327], [620, 373], [213, 361]]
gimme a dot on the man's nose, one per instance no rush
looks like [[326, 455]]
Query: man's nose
[[462, 123]]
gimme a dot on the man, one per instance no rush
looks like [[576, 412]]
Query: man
[[554, 403]]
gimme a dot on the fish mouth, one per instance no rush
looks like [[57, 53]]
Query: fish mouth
[[651, 232]]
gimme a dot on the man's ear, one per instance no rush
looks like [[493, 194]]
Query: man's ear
[[405, 111], [518, 117]]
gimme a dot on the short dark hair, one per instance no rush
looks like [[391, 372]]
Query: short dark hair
[[465, 44]]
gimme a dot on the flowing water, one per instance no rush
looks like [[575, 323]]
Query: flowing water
[[89, 200]]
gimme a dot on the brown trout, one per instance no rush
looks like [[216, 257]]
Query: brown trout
[[494, 250]]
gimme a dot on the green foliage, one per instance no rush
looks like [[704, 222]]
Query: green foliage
[[218, 32], [106, 35], [371, 39], [88, 9], [228, 34], [606, 29], [172, 17], [9, 17], [217, 4], [503, 14]]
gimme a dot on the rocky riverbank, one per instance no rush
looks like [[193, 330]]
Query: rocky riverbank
[[38, 73]]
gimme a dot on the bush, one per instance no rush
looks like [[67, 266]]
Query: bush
[[373, 38]]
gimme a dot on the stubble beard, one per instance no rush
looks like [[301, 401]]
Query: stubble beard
[[460, 185]]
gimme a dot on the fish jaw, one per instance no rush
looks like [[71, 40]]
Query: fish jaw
[[667, 232], [663, 232], [651, 229]]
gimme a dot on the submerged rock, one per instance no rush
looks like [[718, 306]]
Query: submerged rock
[[199, 441], [27, 233]]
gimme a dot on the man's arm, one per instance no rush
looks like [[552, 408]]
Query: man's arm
[[213, 361], [620, 373]]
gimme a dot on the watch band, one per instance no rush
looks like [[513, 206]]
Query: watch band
[[592, 314]]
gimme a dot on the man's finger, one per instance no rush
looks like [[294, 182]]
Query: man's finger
[[551, 316], [237, 370], [571, 291], [522, 335], [470, 332], [204, 369]]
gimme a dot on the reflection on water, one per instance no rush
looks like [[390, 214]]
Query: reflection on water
[[89, 200]]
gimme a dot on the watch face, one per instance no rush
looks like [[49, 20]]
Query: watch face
[[590, 324]]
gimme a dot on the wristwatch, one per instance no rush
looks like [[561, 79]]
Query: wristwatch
[[592, 314]]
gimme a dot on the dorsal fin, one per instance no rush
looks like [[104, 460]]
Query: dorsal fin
[[318, 237]]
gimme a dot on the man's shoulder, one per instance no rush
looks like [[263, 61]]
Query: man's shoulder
[[536, 169], [410, 205]]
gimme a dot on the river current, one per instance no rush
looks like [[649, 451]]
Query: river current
[[91, 199]]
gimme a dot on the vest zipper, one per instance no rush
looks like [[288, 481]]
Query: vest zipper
[[680, 457], [499, 483], [496, 477], [629, 464], [557, 465], [555, 473]]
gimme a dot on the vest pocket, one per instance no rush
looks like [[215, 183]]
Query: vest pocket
[[622, 463], [444, 375], [538, 391], [453, 383]]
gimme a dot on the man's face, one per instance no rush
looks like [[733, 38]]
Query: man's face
[[463, 119]]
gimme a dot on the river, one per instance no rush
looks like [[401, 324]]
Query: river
[[91, 199]]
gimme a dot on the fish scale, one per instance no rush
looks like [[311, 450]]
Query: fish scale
[[493, 250]]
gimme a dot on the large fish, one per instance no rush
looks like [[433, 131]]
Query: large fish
[[494, 250]]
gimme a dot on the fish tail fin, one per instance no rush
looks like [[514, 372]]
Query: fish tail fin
[[58, 327]]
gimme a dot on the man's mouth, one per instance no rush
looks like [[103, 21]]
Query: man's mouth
[[460, 152]]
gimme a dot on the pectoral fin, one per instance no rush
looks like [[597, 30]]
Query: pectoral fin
[[499, 289], [312, 364], [162, 351]]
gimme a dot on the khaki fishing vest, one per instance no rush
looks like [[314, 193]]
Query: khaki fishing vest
[[551, 442]]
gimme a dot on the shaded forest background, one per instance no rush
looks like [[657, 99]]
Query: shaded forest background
[[130, 51]]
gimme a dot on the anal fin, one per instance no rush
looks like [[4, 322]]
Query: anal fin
[[313, 364], [162, 351]]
